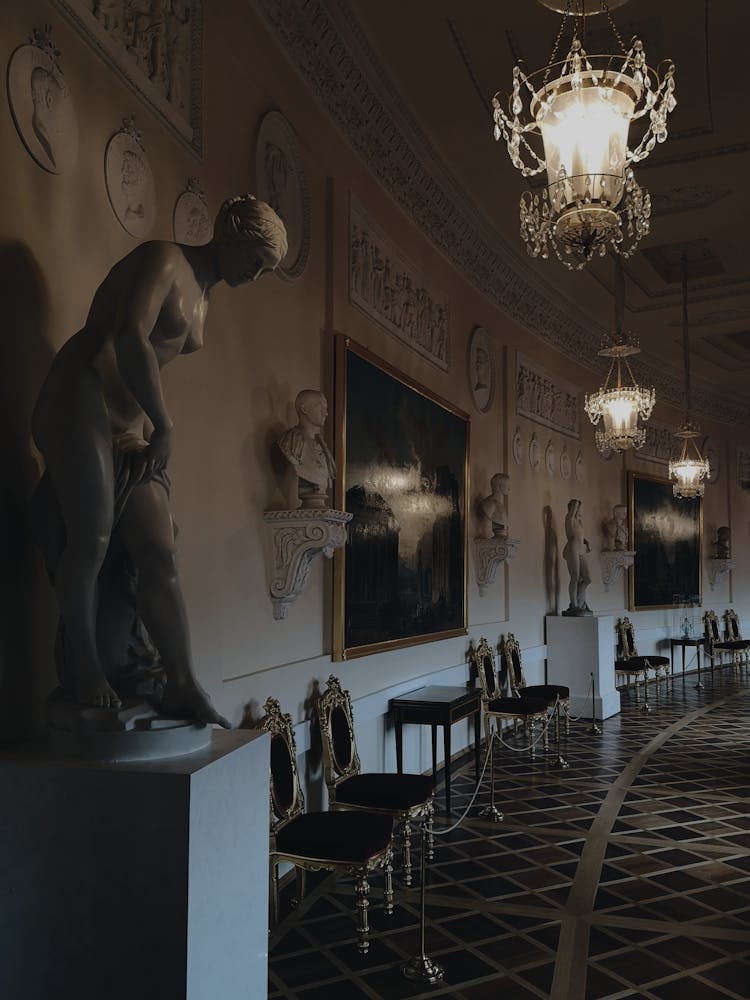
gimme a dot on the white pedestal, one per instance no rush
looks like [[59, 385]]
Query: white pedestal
[[576, 648], [136, 880]]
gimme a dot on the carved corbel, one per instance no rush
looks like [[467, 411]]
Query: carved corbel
[[297, 537], [717, 568], [613, 563], [489, 553]]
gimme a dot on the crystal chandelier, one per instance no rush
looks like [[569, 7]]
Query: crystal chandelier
[[691, 468], [582, 108], [619, 404]]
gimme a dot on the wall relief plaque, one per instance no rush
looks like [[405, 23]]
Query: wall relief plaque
[[191, 219], [130, 181], [547, 399]]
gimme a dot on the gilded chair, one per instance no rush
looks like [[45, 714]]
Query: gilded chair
[[350, 843], [630, 670], [555, 696], [734, 635], [405, 798], [628, 657], [715, 645], [499, 708]]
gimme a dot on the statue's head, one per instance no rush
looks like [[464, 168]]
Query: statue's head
[[311, 405], [500, 483], [251, 239]]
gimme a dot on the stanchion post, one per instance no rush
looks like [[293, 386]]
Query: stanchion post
[[421, 968], [491, 811], [595, 730]]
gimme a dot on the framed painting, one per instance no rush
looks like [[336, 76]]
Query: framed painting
[[666, 534], [402, 458]]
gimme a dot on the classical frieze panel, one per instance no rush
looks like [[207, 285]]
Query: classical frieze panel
[[547, 399]]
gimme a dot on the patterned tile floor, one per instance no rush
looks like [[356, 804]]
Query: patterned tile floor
[[626, 875]]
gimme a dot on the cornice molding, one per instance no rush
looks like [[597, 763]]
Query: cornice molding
[[326, 45]]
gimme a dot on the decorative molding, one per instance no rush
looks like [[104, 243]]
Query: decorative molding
[[613, 564], [157, 49], [717, 568], [298, 536], [660, 444], [546, 398], [330, 51], [389, 289], [489, 553], [743, 468]]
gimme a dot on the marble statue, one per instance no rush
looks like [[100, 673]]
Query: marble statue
[[493, 507], [616, 529], [723, 543], [305, 450], [574, 554], [102, 505]]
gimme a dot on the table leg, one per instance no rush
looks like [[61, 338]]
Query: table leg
[[447, 752], [434, 749], [398, 724]]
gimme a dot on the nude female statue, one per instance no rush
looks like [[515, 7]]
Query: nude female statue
[[105, 478], [574, 554]]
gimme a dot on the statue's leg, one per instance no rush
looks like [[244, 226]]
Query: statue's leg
[[78, 456], [147, 530]]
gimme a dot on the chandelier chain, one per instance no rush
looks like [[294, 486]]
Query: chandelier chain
[[555, 47], [613, 26]]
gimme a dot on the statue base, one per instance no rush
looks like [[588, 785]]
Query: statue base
[[134, 732], [574, 612]]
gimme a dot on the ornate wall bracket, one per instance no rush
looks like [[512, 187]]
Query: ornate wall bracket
[[489, 553], [298, 536], [717, 568], [613, 563]]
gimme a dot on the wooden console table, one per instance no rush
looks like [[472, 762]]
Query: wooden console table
[[438, 706]]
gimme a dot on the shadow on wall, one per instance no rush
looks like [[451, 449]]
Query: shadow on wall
[[551, 563], [27, 608]]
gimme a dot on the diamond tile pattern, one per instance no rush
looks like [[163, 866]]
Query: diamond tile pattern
[[625, 875]]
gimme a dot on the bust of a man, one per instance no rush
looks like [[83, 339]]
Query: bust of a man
[[306, 451], [493, 506]]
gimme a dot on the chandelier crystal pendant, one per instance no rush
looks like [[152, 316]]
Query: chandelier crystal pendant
[[689, 472], [582, 109], [620, 401]]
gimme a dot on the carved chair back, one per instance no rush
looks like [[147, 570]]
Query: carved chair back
[[287, 800], [733, 625], [335, 717], [626, 647], [484, 660], [711, 629], [510, 653]]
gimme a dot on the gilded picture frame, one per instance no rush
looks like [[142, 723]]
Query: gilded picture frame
[[402, 456], [666, 533]]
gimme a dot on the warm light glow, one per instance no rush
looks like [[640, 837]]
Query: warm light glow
[[690, 470], [591, 202], [620, 406]]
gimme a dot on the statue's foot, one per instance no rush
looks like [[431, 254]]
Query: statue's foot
[[95, 692], [188, 699]]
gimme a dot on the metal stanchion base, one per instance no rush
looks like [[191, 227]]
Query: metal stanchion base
[[561, 762], [699, 686], [422, 969], [595, 730], [493, 813]]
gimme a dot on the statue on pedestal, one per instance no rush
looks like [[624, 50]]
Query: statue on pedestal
[[306, 451], [494, 508], [574, 554], [102, 506]]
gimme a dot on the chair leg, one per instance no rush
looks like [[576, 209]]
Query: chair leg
[[362, 890], [532, 742], [566, 713], [301, 876], [429, 839], [388, 888], [406, 847], [273, 894]]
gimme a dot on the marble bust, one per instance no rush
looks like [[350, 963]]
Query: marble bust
[[307, 453], [493, 507]]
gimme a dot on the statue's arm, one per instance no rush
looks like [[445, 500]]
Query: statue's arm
[[141, 301]]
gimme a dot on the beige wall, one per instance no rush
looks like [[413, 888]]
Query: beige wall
[[263, 344]]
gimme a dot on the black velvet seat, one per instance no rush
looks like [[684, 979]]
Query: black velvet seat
[[732, 643], [405, 798], [352, 843], [517, 707]]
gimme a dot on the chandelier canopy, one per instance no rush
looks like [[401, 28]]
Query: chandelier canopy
[[619, 403], [581, 108], [689, 472]]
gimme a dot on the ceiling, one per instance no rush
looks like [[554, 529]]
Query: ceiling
[[446, 58]]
